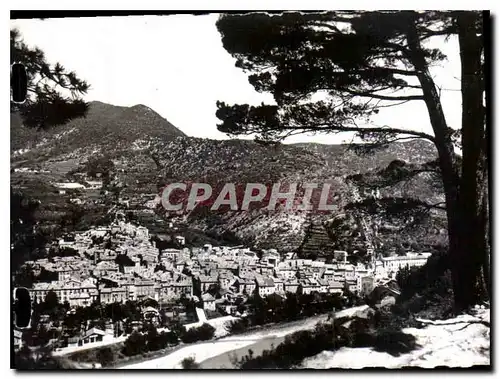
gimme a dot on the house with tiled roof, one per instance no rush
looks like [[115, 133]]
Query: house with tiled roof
[[208, 302], [271, 257], [230, 265], [94, 335], [279, 285], [204, 282], [83, 299], [264, 269], [175, 288], [265, 285], [245, 284], [64, 290], [65, 271], [144, 288], [113, 295], [225, 279], [170, 254], [105, 268], [335, 287], [285, 271], [323, 285], [291, 285], [309, 285], [245, 270], [227, 295]]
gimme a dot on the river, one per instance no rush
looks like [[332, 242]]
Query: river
[[217, 353]]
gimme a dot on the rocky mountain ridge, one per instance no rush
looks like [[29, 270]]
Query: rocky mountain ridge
[[148, 152]]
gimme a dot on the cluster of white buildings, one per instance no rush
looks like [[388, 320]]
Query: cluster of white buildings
[[63, 188], [396, 263], [96, 272]]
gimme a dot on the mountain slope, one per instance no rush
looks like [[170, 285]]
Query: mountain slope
[[106, 127], [148, 152]]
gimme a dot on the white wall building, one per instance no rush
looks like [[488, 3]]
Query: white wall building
[[394, 264]]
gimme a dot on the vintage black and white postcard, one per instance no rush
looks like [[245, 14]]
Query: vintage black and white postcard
[[250, 190]]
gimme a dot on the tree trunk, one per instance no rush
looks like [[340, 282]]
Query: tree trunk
[[472, 204], [464, 191]]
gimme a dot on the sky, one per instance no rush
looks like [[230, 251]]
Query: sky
[[176, 65]]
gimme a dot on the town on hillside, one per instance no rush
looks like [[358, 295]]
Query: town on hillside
[[121, 263], [320, 200]]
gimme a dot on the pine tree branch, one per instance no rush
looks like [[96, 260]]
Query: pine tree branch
[[365, 130], [382, 97], [392, 71], [438, 205], [428, 33], [377, 145], [389, 105]]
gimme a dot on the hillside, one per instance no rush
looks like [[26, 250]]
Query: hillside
[[104, 126], [146, 152]]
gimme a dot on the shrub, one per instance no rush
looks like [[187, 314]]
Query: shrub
[[432, 278], [24, 359], [189, 364], [203, 333], [362, 339], [106, 356], [394, 342], [134, 344], [166, 339], [294, 349], [378, 330], [238, 326]]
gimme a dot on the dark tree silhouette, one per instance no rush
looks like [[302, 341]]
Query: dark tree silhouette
[[40, 358], [54, 94], [134, 344], [105, 356], [362, 62], [124, 260], [50, 302], [54, 98], [24, 238], [190, 364], [152, 338]]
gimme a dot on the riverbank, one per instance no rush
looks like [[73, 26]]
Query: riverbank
[[213, 352]]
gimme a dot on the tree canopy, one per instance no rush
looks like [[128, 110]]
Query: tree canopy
[[357, 61], [54, 97], [328, 71], [24, 238], [54, 93]]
